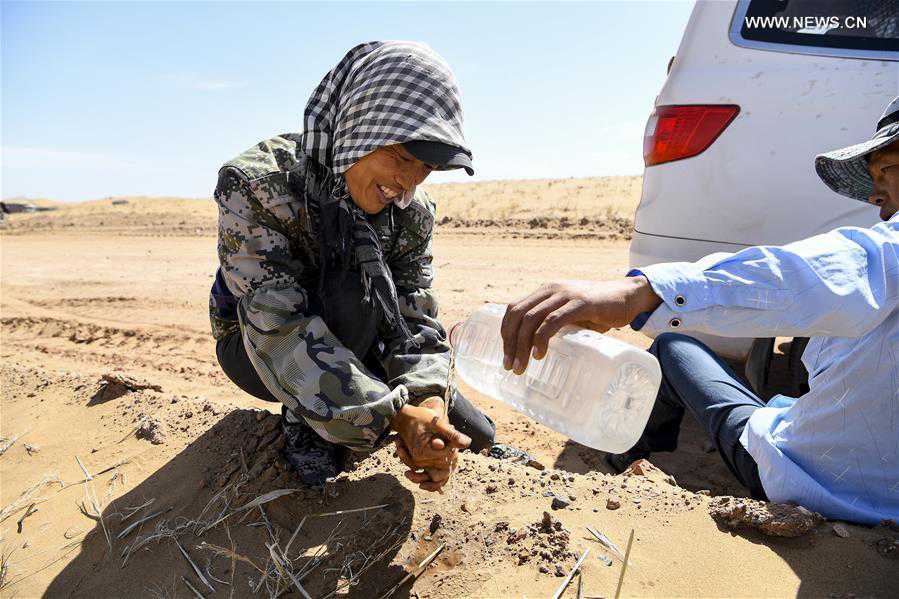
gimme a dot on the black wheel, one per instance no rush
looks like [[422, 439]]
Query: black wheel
[[798, 373], [758, 364]]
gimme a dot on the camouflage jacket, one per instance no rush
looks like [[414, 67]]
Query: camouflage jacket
[[268, 256]]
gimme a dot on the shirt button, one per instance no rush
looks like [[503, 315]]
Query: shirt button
[[674, 323], [680, 300]]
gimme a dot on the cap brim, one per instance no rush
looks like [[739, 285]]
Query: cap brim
[[440, 155], [461, 160], [845, 171]]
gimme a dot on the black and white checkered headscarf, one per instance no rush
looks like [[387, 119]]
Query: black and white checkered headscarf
[[382, 93]]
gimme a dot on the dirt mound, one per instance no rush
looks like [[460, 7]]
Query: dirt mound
[[597, 208], [773, 519], [215, 502], [115, 385], [611, 226], [127, 216], [648, 471], [546, 542]]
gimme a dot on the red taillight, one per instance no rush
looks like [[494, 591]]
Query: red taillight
[[678, 132]]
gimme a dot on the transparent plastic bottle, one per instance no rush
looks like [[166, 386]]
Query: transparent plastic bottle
[[594, 389]]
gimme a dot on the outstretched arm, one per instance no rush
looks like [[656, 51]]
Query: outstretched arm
[[529, 323], [839, 284], [843, 283]]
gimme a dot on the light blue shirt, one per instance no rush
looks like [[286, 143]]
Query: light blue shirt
[[834, 450]]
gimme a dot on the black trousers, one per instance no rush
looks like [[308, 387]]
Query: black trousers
[[232, 356], [694, 379]]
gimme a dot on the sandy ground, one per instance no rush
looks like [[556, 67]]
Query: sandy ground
[[83, 299]]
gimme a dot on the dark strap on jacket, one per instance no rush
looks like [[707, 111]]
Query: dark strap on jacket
[[221, 299]]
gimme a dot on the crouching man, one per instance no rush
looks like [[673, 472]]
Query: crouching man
[[835, 449], [323, 297]]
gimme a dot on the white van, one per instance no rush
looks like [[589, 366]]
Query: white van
[[755, 91]]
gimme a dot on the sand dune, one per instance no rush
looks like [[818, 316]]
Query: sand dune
[[599, 207]]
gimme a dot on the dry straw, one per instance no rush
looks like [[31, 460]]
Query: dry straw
[[7, 443], [575, 570], [27, 499], [416, 572], [627, 555]]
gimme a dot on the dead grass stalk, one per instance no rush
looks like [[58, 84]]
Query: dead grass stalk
[[7, 443], [27, 497]]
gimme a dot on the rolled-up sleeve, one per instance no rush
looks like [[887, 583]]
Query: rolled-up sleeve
[[839, 284]]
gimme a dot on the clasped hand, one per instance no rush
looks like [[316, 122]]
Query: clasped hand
[[427, 443]]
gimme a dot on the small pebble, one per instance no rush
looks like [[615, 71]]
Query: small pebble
[[435, 523], [841, 531], [559, 502]]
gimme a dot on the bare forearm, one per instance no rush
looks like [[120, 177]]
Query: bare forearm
[[531, 321], [644, 299]]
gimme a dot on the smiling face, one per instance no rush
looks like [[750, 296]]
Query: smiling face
[[384, 176], [883, 166]]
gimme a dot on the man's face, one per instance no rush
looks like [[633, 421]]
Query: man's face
[[883, 165], [386, 175]]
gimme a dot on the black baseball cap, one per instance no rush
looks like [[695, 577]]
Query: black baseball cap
[[442, 156]]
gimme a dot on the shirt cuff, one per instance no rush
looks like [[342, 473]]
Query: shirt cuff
[[638, 322], [397, 397], [682, 286], [684, 293]]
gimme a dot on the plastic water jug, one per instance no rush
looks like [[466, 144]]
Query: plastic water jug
[[594, 389]]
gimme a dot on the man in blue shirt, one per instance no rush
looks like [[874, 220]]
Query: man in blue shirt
[[835, 449]]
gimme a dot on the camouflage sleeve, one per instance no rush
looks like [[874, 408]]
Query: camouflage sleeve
[[297, 357], [422, 369]]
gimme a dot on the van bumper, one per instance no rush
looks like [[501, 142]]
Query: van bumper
[[646, 249]]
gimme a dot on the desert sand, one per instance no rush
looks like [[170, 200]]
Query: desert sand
[[124, 444]]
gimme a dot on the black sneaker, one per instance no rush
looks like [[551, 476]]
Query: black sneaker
[[314, 459], [501, 451]]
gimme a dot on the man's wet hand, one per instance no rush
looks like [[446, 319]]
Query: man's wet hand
[[530, 322], [427, 443], [429, 479]]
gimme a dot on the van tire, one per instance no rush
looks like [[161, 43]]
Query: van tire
[[798, 373], [758, 363]]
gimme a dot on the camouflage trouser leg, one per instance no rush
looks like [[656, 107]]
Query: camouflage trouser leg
[[314, 459]]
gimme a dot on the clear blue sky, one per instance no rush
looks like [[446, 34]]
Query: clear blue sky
[[150, 98]]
